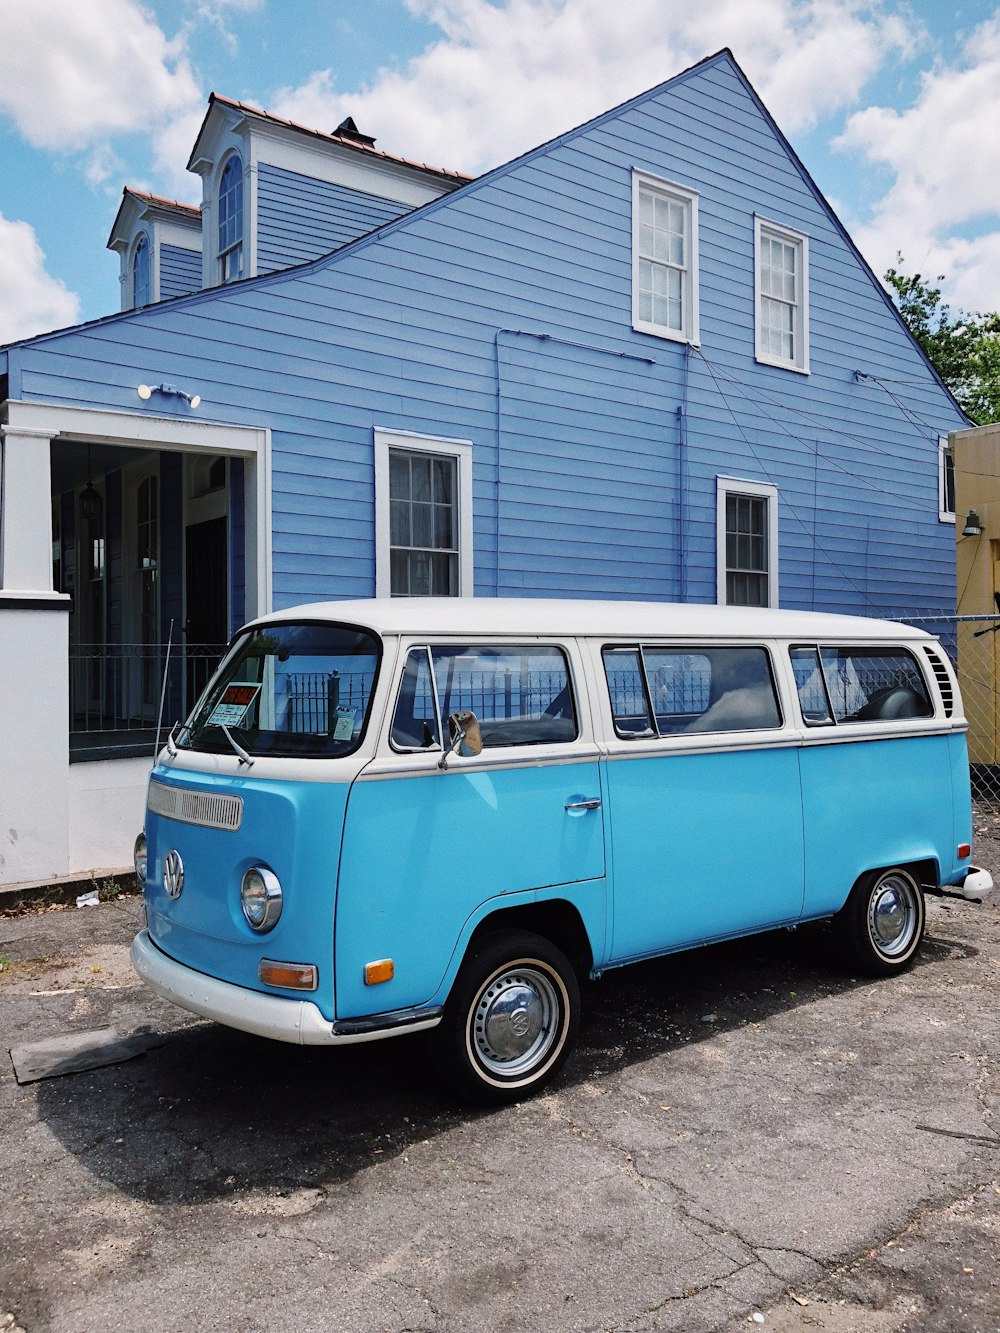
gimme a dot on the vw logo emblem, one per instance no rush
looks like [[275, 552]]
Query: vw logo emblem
[[173, 874], [520, 1023]]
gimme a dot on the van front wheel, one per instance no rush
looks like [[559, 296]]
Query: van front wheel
[[511, 1018], [881, 925]]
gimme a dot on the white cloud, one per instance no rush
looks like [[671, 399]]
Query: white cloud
[[73, 74], [216, 13], [944, 156], [33, 301], [505, 78]]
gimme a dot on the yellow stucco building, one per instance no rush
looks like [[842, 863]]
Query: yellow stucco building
[[970, 481]]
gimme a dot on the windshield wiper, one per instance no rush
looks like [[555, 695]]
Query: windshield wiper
[[238, 749]]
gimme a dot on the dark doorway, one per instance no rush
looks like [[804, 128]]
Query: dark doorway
[[206, 564]]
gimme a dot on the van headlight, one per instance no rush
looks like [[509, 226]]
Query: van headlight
[[139, 859], [260, 898]]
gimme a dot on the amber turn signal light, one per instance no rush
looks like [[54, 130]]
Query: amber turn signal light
[[964, 850], [382, 970], [290, 976]]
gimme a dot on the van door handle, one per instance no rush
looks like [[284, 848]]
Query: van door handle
[[588, 803]]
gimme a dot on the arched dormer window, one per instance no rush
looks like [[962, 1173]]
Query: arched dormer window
[[231, 221], [142, 288]]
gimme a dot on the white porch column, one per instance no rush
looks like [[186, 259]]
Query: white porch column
[[25, 511], [34, 669]]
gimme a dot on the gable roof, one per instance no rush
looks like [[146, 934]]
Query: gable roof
[[469, 185], [346, 139], [137, 204]]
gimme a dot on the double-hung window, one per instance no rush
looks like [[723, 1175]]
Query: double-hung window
[[782, 292], [423, 516], [664, 259], [747, 529]]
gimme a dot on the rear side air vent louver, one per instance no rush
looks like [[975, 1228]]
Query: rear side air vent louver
[[943, 678]]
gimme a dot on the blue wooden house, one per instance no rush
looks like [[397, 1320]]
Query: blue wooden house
[[643, 360]]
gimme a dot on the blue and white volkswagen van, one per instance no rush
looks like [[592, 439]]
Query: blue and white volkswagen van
[[396, 815]]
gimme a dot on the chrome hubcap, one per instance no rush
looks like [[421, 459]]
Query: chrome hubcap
[[515, 1021], [892, 916]]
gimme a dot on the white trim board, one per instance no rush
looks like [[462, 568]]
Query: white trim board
[[461, 451], [131, 430]]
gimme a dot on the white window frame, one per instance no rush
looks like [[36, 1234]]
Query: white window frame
[[154, 294], [800, 333], [690, 327], [945, 452], [222, 255], [726, 486], [461, 451]]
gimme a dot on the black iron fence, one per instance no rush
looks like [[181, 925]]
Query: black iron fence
[[115, 690]]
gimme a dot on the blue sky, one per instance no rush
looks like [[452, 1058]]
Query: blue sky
[[893, 106]]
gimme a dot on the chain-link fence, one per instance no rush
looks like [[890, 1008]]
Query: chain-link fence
[[973, 644]]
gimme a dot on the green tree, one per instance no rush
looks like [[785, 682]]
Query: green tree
[[963, 348]]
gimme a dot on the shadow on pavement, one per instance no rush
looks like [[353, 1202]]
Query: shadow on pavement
[[215, 1113]]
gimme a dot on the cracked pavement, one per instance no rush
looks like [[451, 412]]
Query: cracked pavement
[[742, 1129]]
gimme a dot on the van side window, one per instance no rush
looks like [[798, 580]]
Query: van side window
[[414, 723], [874, 684], [627, 687], [671, 691], [521, 695], [813, 698]]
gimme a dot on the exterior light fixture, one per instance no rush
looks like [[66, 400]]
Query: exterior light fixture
[[973, 525], [146, 391], [90, 496]]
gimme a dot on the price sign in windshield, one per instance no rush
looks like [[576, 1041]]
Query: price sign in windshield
[[232, 708]]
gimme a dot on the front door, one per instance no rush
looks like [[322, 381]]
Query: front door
[[425, 849]]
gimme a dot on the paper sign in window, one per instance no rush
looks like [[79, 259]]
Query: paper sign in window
[[344, 728], [234, 705]]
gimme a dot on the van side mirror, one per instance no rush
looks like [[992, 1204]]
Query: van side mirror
[[464, 736]]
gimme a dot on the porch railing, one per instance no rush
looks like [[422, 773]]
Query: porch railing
[[114, 691]]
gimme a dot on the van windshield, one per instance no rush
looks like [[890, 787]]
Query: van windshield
[[288, 690]]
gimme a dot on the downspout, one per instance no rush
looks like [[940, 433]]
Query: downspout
[[682, 479], [499, 432]]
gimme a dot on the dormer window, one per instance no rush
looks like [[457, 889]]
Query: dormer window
[[142, 292], [231, 221]]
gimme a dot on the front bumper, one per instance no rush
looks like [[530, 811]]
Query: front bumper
[[281, 1018]]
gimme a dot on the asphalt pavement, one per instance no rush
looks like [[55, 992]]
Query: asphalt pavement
[[746, 1136]]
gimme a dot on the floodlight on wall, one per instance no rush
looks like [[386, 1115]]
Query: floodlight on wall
[[146, 391], [973, 525]]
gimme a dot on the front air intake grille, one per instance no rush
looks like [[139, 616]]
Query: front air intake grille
[[195, 807], [943, 678]]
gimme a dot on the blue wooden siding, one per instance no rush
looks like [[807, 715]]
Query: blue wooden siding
[[300, 218], [180, 271], [502, 315]]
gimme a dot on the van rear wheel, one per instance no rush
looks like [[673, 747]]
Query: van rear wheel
[[881, 926], [511, 1019]]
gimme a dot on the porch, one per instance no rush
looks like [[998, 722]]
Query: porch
[[120, 532]]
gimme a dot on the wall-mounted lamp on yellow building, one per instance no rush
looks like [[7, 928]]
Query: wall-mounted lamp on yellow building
[[973, 525]]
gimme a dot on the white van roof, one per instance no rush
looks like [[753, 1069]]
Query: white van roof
[[517, 617]]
